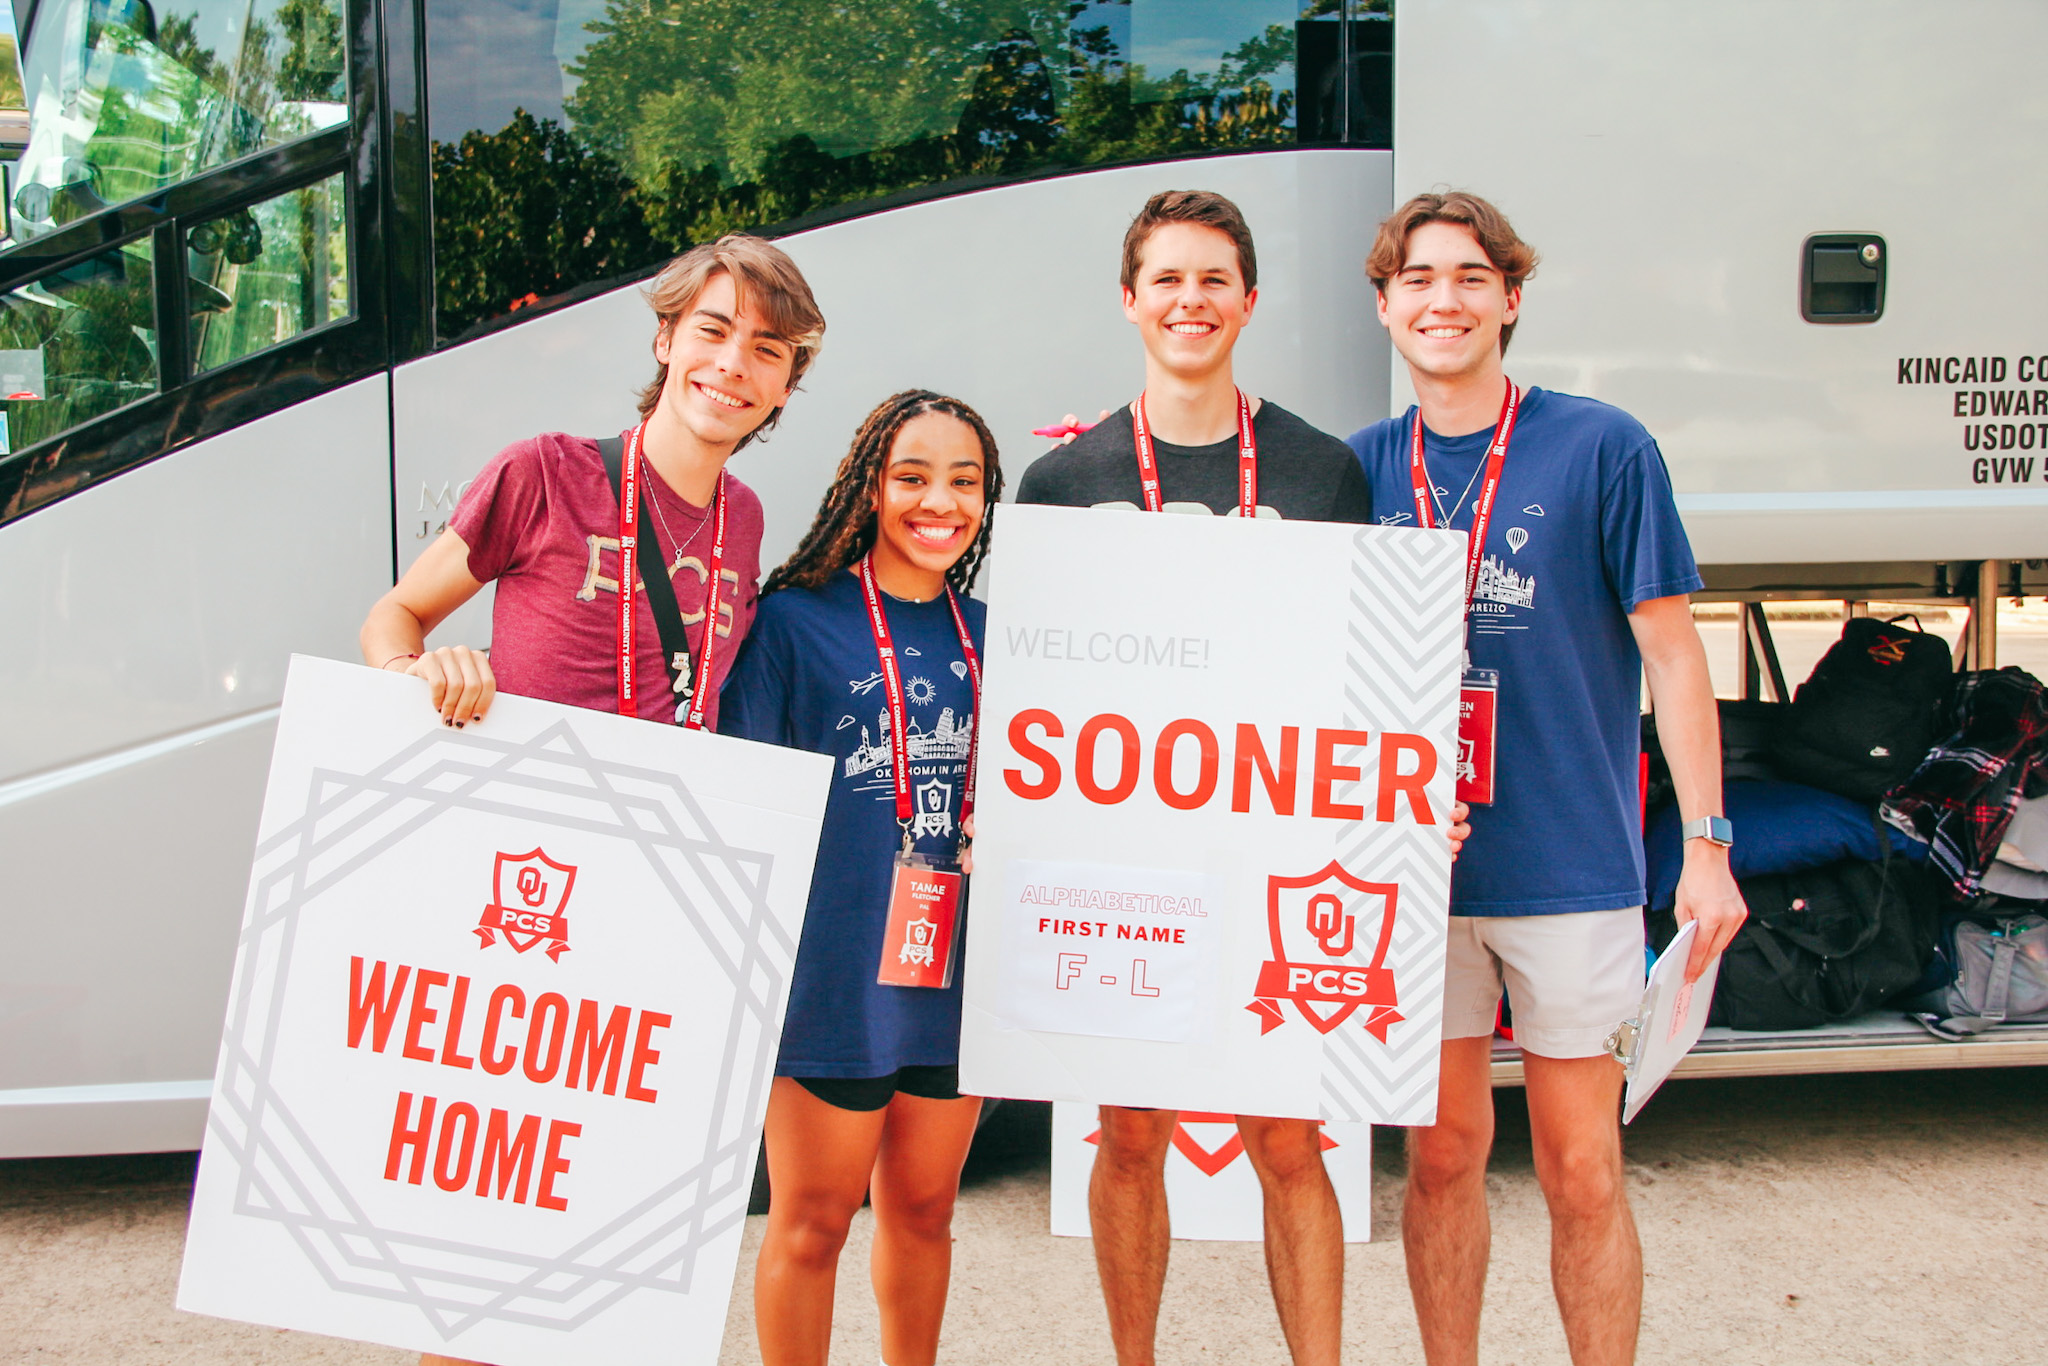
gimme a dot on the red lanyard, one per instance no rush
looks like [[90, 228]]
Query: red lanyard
[[1247, 459], [892, 687], [1482, 514], [629, 573]]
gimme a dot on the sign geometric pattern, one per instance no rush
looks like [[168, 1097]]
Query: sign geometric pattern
[[1393, 594], [347, 820]]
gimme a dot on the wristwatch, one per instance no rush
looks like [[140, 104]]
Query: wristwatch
[[1713, 829]]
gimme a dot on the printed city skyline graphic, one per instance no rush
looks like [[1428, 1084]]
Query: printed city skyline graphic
[[947, 739], [1499, 583]]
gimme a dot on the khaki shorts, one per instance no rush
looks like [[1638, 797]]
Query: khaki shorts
[[1572, 977]]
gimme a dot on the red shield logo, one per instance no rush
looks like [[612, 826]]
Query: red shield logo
[[1321, 924], [530, 903]]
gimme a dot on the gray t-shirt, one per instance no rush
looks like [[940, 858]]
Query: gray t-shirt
[[1305, 475]]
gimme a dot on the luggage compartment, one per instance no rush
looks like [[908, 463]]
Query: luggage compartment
[[1882, 1040]]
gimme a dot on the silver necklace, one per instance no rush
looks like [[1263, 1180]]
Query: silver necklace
[[676, 561], [1442, 516]]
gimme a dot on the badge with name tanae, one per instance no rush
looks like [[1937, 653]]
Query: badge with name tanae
[[925, 893]]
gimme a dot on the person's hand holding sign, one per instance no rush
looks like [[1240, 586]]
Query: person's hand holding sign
[[460, 682], [394, 635], [1461, 828]]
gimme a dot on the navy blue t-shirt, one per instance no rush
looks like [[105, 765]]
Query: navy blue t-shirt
[[808, 678], [1584, 529]]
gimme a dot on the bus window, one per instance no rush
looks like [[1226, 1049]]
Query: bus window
[[577, 141], [124, 101], [77, 343], [264, 274]]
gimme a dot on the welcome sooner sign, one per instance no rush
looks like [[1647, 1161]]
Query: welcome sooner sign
[[504, 1013], [1218, 764]]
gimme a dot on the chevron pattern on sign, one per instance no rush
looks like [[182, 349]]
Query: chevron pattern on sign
[[1404, 657]]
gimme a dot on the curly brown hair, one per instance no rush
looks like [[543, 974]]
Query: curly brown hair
[[844, 529]]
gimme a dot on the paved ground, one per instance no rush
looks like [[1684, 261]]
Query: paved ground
[[1883, 1219]]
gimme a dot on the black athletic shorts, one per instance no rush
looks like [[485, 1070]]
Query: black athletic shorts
[[872, 1093]]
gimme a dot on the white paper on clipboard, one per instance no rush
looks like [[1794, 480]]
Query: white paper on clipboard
[[1672, 1018]]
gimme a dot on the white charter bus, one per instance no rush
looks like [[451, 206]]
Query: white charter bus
[[281, 274]]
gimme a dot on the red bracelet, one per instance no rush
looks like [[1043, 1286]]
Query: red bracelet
[[395, 658]]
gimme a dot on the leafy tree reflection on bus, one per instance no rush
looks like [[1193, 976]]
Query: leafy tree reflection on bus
[[689, 118], [122, 105], [77, 343]]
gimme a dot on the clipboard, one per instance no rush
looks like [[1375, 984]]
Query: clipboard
[[1669, 1022]]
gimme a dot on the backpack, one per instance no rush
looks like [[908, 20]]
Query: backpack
[[1824, 944], [1870, 711], [1990, 968]]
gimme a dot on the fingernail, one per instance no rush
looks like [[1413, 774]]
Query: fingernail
[[458, 725]]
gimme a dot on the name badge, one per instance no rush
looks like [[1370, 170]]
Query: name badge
[[1478, 715], [924, 907]]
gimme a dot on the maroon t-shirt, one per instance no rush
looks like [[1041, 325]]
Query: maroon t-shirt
[[541, 522]]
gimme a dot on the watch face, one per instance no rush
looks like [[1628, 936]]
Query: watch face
[[1713, 829]]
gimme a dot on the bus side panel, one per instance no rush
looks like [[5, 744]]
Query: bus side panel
[[1670, 161], [1006, 298], [149, 621], [170, 597], [122, 922]]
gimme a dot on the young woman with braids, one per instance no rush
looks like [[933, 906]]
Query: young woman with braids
[[866, 1099]]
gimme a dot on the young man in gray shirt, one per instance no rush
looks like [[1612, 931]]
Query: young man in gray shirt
[[1193, 443]]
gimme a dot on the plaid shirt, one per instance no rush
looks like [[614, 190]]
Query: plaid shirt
[[1963, 795]]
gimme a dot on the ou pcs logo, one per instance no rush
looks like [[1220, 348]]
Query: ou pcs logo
[[529, 902], [1313, 921]]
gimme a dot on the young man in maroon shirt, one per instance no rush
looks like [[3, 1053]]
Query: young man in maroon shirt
[[737, 327]]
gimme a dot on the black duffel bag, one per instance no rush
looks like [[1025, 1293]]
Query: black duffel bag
[[1823, 944], [1870, 711]]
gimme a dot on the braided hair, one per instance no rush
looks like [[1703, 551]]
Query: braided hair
[[844, 529]]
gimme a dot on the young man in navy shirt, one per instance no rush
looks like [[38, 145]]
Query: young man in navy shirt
[[1581, 593]]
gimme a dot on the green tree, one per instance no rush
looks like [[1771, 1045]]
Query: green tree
[[313, 67], [698, 117], [528, 211], [10, 74], [723, 82]]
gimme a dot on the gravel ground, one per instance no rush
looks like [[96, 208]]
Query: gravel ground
[[1887, 1219]]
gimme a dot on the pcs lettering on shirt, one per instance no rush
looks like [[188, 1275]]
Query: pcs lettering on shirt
[[541, 522]]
